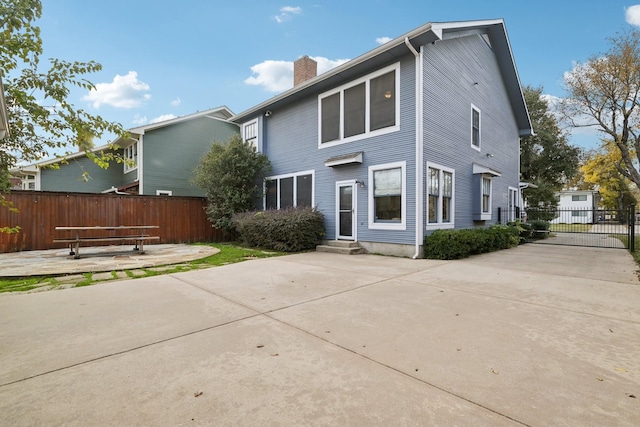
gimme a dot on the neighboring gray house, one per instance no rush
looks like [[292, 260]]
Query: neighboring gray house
[[162, 157], [421, 133]]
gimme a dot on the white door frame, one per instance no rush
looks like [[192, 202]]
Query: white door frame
[[354, 209]]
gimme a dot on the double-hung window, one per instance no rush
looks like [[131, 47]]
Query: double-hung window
[[250, 133], [285, 191], [482, 194], [130, 157], [475, 127], [486, 195], [387, 196], [440, 200], [365, 107]]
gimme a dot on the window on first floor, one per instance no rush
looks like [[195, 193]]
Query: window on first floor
[[440, 196], [387, 196], [486, 194], [286, 191], [578, 213]]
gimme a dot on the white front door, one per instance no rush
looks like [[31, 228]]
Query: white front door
[[346, 210]]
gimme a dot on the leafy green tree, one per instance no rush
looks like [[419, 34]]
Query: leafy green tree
[[42, 120], [546, 158], [604, 93], [231, 176]]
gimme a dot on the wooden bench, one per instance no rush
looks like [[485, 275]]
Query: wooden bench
[[138, 237]]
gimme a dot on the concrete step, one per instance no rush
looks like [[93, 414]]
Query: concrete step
[[344, 247]]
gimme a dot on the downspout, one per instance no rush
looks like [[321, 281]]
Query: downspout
[[419, 146], [140, 170]]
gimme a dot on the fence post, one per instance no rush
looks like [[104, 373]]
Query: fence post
[[632, 228]]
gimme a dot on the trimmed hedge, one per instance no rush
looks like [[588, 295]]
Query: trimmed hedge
[[287, 230], [457, 244]]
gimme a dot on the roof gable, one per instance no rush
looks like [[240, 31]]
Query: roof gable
[[494, 32]]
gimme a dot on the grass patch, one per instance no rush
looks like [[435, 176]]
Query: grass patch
[[229, 254], [570, 228]]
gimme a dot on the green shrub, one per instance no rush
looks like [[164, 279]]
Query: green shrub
[[287, 230], [539, 228], [524, 229], [457, 244]]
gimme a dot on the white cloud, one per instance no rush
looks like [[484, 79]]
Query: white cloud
[[277, 76], [383, 40], [286, 12], [176, 102], [162, 118], [632, 15], [123, 92], [274, 76], [139, 120]]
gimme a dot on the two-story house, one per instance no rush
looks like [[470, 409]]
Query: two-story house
[[160, 159], [421, 133]]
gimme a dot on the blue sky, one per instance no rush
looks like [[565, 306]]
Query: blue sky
[[167, 59]]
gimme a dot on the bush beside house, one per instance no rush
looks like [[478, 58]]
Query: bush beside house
[[287, 230], [457, 244]]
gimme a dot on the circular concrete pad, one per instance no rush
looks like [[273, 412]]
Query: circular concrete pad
[[98, 258]]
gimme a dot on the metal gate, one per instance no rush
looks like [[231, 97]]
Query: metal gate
[[601, 228]]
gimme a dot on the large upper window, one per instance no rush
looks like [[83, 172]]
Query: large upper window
[[579, 198], [475, 127], [131, 157], [285, 191], [361, 108], [440, 200], [387, 196]]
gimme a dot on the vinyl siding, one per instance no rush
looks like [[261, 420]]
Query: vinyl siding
[[171, 153], [451, 68], [70, 177], [290, 138]]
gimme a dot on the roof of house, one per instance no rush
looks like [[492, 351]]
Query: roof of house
[[396, 48], [219, 113]]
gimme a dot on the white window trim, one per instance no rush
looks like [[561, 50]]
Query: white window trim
[[479, 146], [367, 134], [440, 224], [254, 141], [295, 187], [164, 193], [128, 168], [486, 216], [402, 225]]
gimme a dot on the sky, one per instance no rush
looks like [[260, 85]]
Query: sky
[[168, 59]]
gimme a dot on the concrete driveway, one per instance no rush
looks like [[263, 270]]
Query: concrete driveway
[[537, 335]]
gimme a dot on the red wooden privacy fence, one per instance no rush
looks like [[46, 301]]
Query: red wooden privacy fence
[[181, 219]]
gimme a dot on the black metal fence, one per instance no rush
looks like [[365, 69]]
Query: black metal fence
[[603, 228]]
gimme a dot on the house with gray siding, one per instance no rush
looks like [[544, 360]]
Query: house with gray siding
[[419, 134], [160, 157]]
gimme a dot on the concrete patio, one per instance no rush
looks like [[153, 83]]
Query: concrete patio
[[537, 335]]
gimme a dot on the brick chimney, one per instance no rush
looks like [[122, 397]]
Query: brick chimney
[[304, 69]]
